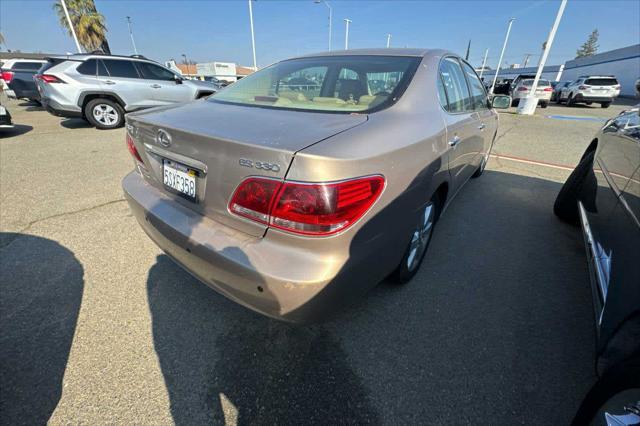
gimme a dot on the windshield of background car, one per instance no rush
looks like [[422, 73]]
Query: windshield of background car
[[601, 82], [326, 84]]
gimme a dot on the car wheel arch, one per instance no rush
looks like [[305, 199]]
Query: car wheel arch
[[85, 97]]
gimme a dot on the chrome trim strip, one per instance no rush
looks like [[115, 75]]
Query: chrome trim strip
[[594, 260]]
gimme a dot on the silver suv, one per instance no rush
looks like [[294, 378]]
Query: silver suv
[[101, 88], [602, 89]]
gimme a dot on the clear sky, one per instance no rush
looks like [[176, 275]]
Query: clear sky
[[208, 30]]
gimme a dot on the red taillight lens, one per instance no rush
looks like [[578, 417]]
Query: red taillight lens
[[132, 149], [254, 197], [305, 208], [7, 76], [548, 89], [523, 89], [47, 78], [582, 87]]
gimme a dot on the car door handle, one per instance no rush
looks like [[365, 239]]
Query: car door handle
[[109, 82], [481, 126], [455, 141], [156, 86]]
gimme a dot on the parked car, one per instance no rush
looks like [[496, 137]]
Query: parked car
[[18, 75], [557, 88], [519, 78], [603, 195], [590, 89], [5, 118], [102, 88], [294, 205], [502, 87], [523, 88]]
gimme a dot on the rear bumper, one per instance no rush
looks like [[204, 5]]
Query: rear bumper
[[590, 98], [262, 274], [58, 110]]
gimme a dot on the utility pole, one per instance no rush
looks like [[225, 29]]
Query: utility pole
[[73, 31], [504, 46], [253, 39], [330, 17], [528, 107], [131, 34], [466, 57], [526, 60], [388, 40], [484, 62], [346, 34]]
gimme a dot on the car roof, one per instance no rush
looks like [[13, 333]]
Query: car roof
[[81, 57], [417, 52]]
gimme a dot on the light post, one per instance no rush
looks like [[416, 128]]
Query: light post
[[528, 107], [330, 17], [73, 31], [253, 39], [484, 62], [504, 46], [346, 33], [388, 40], [186, 62], [131, 34]]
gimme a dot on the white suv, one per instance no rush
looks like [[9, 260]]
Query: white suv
[[602, 89], [101, 88]]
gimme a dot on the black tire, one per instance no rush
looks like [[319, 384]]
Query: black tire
[[515, 102], [543, 104], [624, 377], [605, 104], [403, 272], [559, 100], [107, 105], [588, 103], [566, 205], [481, 167], [570, 101]]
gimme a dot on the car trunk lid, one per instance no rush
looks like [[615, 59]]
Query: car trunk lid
[[222, 144]]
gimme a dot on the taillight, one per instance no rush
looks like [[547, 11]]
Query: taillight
[[306, 208], [48, 78], [132, 149], [548, 89], [617, 87], [582, 87], [522, 89], [7, 76]]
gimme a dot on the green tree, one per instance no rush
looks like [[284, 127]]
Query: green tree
[[89, 25], [590, 47]]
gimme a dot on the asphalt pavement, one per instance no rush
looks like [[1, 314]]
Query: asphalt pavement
[[99, 326]]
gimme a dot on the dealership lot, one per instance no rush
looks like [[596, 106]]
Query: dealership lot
[[497, 325]]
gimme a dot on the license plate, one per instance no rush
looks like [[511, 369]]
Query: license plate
[[179, 178]]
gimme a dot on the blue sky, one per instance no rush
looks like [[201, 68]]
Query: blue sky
[[219, 30]]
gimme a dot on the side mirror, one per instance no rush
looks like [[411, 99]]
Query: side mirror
[[501, 102], [178, 80]]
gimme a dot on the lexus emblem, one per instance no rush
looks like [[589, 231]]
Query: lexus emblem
[[163, 138]]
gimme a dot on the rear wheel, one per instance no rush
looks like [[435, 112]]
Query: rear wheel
[[515, 102], [104, 113], [419, 242], [566, 205], [481, 167], [570, 100], [588, 103], [605, 104], [543, 104]]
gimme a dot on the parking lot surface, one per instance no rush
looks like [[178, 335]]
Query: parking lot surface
[[99, 326]]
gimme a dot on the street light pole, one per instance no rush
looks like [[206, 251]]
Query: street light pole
[[253, 39], [528, 107], [186, 62], [346, 34], [388, 40], [73, 31], [484, 62], [330, 17], [504, 46], [131, 34]]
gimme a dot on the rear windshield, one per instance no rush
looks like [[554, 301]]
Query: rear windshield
[[27, 66], [541, 83], [327, 84], [601, 82]]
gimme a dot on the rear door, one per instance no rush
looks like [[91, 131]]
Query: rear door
[[487, 124], [166, 88], [465, 140], [121, 77]]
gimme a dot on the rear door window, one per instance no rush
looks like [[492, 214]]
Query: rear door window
[[478, 95], [601, 82], [88, 67], [455, 85], [120, 68], [102, 69]]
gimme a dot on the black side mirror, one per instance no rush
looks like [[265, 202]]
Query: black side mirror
[[178, 79]]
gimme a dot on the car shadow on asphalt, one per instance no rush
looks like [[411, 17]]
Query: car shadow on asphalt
[[41, 286], [16, 130], [497, 326], [75, 123]]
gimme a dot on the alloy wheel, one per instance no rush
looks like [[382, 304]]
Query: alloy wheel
[[105, 114], [421, 236]]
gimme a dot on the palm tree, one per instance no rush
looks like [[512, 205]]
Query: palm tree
[[90, 25]]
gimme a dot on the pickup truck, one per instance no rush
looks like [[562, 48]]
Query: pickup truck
[[18, 75]]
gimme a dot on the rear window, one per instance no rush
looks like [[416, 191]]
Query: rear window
[[27, 66], [541, 83], [328, 84], [120, 68], [601, 82], [88, 67]]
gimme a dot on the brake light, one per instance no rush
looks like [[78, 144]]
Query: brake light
[[522, 89], [306, 208], [548, 89], [132, 149], [583, 87], [48, 78], [7, 76]]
